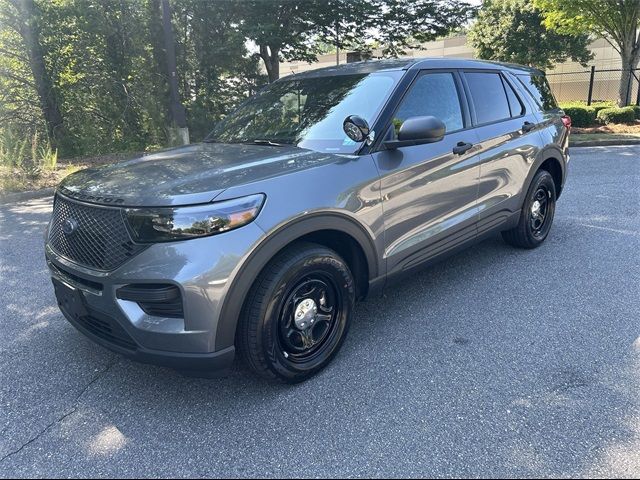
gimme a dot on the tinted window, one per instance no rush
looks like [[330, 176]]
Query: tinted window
[[539, 89], [433, 94], [515, 104], [488, 97]]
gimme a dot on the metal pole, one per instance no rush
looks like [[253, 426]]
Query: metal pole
[[627, 100], [337, 44], [593, 75]]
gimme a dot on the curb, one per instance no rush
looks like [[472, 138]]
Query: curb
[[604, 143], [24, 196]]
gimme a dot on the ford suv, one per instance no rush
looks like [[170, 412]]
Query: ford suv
[[311, 195]]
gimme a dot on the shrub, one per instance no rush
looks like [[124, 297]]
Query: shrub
[[636, 110], [601, 106], [27, 152], [581, 115], [14, 147], [616, 115]]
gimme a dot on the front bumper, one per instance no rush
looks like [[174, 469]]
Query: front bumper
[[202, 269], [100, 328]]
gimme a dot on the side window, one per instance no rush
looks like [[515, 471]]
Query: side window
[[540, 91], [488, 96], [432, 94], [515, 105]]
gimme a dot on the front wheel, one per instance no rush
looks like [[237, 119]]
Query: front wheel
[[537, 213], [297, 313]]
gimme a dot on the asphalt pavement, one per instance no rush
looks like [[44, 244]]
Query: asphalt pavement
[[497, 362]]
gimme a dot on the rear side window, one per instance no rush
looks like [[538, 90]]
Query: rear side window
[[432, 94], [540, 91], [515, 105], [488, 96]]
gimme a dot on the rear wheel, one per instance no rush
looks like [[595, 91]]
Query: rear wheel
[[537, 214], [297, 313]]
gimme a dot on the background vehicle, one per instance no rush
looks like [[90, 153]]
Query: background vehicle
[[311, 195]]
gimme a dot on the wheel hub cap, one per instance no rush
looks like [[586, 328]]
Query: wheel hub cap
[[305, 314], [535, 208]]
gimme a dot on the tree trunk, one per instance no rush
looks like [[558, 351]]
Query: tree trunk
[[29, 30], [160, 85], [271, 59], [178, 115], [630, 56]]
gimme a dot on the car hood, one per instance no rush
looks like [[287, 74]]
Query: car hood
[[187, 175]]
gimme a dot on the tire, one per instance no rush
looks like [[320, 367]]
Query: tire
[[297, 313], [535, 221]]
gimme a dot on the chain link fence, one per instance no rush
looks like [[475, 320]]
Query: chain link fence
[[593, 85]]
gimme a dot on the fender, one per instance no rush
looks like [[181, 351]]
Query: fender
[[550, 151], [269, 247]]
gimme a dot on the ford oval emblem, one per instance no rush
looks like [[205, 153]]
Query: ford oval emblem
[[69, 226]]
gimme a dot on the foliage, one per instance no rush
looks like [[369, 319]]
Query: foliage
[[618, 21], [583, 115], [616, 115], [302, 29], [401, 24], [106, 66], [86, 77], [29, 155], [505, 31]]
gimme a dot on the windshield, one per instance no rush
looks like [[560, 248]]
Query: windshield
[[308, 112]]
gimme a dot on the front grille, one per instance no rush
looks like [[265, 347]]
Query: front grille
[[74, 278], [100, 240]]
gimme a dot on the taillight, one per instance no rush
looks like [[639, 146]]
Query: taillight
[[566, 121]]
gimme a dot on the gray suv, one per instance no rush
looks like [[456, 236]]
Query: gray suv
[[314, 193]]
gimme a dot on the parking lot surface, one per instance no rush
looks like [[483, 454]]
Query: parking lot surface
[[497, 362]]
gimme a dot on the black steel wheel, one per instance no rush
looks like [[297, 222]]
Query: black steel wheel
[[309, 316], [297, 313], [537, 213]]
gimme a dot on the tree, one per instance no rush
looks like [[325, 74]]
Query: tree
[[285, 29], [27, 22], [96, 73], [215, 69], [298, 29], [617, 21], [401, 24], [513, 31]]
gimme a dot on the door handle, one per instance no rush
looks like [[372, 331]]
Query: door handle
[[461, 148], [528, 126]]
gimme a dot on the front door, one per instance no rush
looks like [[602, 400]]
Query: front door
[[429, 193]]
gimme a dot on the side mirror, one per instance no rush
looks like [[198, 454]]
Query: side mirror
[[356, 128], [416, 131]]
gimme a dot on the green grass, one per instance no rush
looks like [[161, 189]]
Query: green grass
[[590, 137]]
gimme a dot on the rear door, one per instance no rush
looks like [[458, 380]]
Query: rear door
[[508, 139], [429, 192], [536, 88]]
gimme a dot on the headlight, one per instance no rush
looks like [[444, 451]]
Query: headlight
[[151, 225]]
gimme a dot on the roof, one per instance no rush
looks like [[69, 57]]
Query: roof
[[355, 68], [370, 66]]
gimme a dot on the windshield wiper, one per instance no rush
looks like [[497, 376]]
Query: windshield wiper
[[260, 141]]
